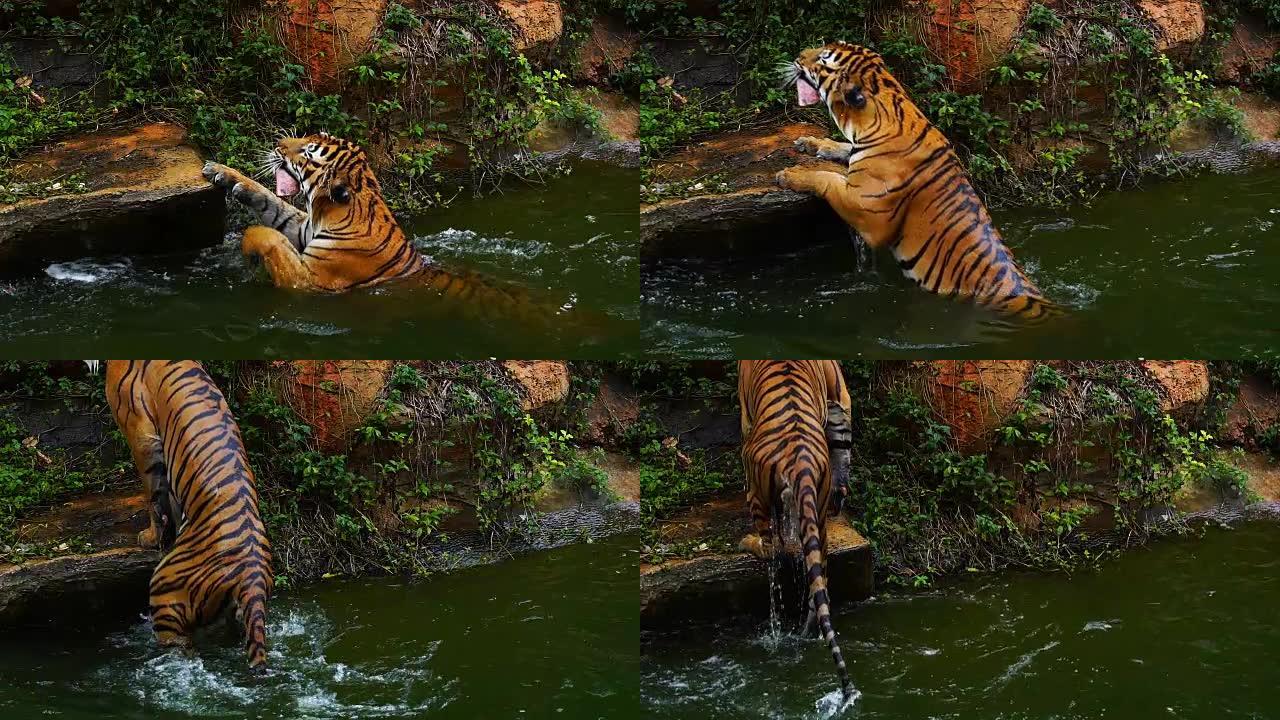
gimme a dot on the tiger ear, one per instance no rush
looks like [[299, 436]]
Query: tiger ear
[[339, 193], [854, 96]]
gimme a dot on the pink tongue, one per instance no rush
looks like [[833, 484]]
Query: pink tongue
[[285, 184], [805, 93]]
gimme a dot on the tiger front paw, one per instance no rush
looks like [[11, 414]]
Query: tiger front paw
[[147, 539], [755, 545], [808, 145], [220, 175], [788, 179]]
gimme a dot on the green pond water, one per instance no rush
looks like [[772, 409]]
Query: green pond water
[[546, 635], [1187, 268], [572, 243], [1184, 629]]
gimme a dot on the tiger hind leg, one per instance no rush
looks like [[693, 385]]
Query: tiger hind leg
[[839, 446], [789, 519], [171, 624]]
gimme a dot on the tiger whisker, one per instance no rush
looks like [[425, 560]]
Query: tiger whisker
[[788, 73]]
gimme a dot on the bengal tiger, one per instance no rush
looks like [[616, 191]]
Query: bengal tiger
[[202, 501], [902, 185], [347, 238], [790, 409]]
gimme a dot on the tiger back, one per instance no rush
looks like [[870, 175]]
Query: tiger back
[[188, 451], [902, 186], [787, 458]]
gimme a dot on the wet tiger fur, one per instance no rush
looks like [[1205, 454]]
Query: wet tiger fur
[[901, 185], [202, 500], [795, 423], [347, 237]]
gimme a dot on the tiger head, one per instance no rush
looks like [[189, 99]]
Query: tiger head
[[333, 174], [855, 84]]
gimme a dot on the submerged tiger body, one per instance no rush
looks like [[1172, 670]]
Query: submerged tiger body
[[202, 500], [900, 185], [795, 430], [347, 238]]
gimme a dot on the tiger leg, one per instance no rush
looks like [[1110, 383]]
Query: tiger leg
[[839, 444], [286, 266], [148, 458], [833, 186], [758, 543], [825, 148], [274, 211], [172, 619]]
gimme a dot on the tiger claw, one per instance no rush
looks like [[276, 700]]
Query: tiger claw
[[212, 172], [220, 175]]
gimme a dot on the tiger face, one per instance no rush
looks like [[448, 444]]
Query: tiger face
[[332, 173], [854, 83]]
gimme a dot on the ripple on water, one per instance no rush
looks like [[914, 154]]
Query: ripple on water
[[302, 327], [470, 243], [302, 681]]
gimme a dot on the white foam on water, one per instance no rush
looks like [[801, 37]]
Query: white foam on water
[[301, 681], [1099, 625], [835, 703], [472, 244], [88, 270]]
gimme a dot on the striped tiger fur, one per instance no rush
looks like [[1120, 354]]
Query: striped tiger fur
[[347, 238], [900, 184], [786, 406], [202, 500]]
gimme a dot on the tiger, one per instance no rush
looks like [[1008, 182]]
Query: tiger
[[347, 238], [795, 428], [201, 499], [900, 184]]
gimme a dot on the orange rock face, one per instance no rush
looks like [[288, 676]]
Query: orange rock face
[[1250, 49], [974, 397], [1185, 384], [545, 382], [327, 35], [335, 396], [538, 23], [1179, 23], [970, 36], [608, 49]]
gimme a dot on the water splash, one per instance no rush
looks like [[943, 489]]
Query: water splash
[[773, 635], [302, 681], [835, 703], [88, 270]]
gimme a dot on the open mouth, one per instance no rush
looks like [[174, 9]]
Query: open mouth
[[806, 92], [286, 185]]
